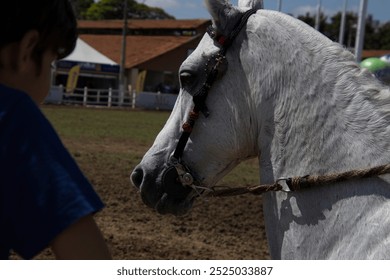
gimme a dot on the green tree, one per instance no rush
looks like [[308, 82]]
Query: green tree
[[372, 35], [333, 28], [113, 9], [384, 38], [311, 20], [81, 7]]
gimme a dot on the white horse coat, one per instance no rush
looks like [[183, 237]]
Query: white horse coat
[[302, 105]]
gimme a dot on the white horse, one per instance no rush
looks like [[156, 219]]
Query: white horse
[[302, 105]]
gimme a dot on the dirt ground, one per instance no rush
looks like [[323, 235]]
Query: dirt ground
[[220, 228], [216, 229]]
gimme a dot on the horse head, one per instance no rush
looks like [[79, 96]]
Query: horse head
[[277, 89], [222, 135]]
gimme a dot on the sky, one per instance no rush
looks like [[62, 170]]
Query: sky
[[191, 9]]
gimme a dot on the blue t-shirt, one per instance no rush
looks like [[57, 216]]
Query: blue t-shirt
[[42, 190]]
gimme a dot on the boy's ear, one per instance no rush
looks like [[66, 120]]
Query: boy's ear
[[26, 47]]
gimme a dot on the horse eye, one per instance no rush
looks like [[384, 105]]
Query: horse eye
[[186, 79]]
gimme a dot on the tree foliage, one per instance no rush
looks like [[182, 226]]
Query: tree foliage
[[377, 36], [384, 40], [113, 9]]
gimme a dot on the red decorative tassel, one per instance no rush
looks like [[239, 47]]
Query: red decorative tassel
[[187, 127]]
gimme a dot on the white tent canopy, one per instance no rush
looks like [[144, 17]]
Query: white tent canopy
[[85, 53]]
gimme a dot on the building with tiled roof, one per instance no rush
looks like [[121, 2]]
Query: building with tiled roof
[[142, 51], [155, 46]]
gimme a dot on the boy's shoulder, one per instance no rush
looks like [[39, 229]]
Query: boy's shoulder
[[10, 97]]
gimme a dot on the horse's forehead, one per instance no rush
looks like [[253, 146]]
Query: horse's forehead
[[205, 49]]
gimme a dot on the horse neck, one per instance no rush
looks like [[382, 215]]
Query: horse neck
[[328, 119], [317, 113]]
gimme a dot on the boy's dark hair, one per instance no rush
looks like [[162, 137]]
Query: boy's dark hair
[[53, 19]]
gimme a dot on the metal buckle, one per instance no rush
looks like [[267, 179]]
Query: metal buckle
[[212, 32], [283, 183], [185, 177]]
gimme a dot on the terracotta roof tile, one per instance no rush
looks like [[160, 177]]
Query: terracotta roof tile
[[374, 53], [139, 49]]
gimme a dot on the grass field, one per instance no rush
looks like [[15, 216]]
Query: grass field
[[107, 144]]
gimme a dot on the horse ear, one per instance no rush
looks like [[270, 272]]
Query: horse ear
[[251, 4], [222, 13]]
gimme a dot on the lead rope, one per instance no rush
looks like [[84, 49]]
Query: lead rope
[[301, 182]]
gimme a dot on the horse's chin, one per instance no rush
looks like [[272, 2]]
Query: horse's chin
[[169, 205]]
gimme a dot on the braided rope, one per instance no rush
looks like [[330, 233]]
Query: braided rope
[[303, 182]]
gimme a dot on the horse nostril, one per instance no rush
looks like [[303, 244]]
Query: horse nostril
[[137, 176]]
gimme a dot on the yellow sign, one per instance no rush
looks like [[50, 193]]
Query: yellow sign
[[140, 81], [73, 76]]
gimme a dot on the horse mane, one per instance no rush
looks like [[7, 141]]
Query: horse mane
[[335, 64]]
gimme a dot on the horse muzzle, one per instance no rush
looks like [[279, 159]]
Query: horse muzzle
[[165, 192]]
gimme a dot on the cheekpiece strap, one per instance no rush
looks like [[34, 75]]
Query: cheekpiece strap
[[200, 97]]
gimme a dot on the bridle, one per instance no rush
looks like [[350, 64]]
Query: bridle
[[176, 167]]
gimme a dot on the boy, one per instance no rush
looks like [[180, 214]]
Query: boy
[[44, 198]]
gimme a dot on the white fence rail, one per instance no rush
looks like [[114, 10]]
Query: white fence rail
[[110, 98]]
